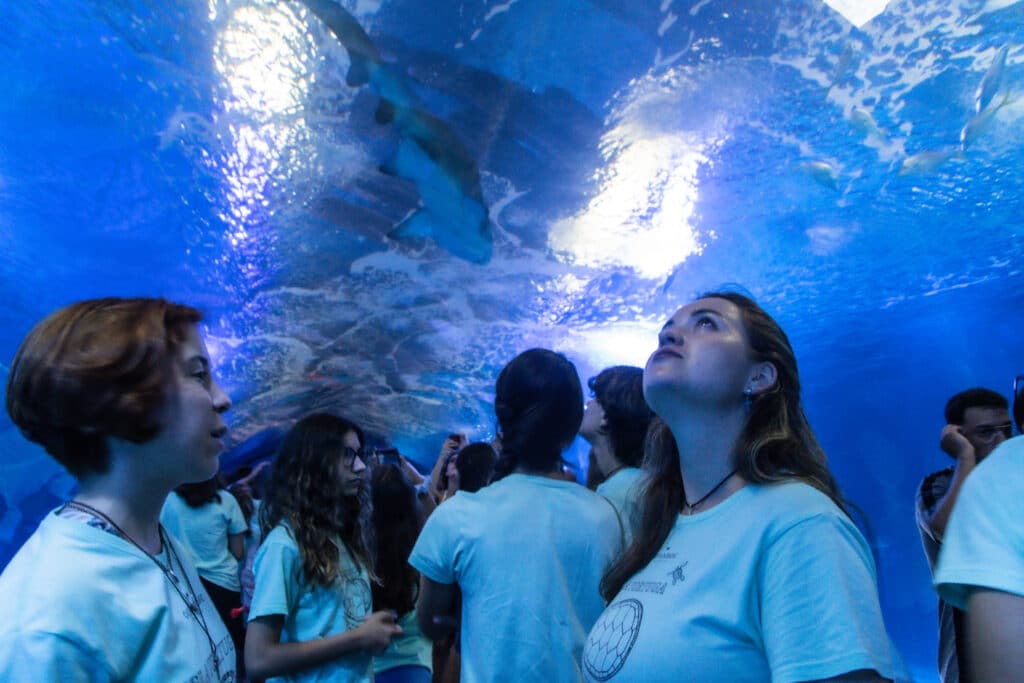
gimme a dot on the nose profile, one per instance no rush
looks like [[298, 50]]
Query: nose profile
[[670, 336], [221, 401], [358, 465]]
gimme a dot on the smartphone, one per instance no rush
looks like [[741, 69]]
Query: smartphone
[[389, 456]]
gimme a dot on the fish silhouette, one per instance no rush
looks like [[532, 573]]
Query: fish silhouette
[[429, 153], [990, 83]]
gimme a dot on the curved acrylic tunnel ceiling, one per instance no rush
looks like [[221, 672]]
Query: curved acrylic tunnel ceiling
[[377, 203]]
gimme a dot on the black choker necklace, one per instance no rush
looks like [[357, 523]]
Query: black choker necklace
[[191, 600], [689, 507], [614, 472]]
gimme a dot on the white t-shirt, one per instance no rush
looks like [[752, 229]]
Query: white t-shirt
[[528, 553], [82, 604], [312, 612], [984, 541], [774, 583], [623, 490], [203, 531]]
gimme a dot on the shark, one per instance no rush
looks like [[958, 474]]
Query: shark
[[452, 209]]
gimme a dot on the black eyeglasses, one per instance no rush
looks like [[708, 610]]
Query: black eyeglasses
[[348, 456], [988, 433]]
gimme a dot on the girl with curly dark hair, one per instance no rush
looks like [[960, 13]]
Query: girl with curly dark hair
[[310, 617]]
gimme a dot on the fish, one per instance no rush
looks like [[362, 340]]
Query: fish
[[864, 122], [843, 69], [990, 83], [456, 221], [978, 124], [927, 161], [823, 173], [452, 209], [361, 50]]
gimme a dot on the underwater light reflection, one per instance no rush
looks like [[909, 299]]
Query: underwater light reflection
[[619, 343], [640, 218], [266, 79]]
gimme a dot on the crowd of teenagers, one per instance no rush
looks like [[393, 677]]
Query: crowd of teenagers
[[710, 542]]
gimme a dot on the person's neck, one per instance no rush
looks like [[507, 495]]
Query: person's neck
[[706, 441], [555, 473], [604, 457], [133, 504]]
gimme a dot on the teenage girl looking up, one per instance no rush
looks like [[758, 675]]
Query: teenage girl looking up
[[745, 565], [397, 519], [209, 523], [310, 617], [527, 551], [119, 392]]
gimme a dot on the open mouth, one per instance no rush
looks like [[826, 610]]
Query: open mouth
[[219, 432]]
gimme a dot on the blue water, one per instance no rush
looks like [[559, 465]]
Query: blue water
[[631, 154]]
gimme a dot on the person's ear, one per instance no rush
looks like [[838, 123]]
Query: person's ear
[[763, 377]]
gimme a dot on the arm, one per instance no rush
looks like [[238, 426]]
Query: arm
[[247, 479], [426, 498], [267, 656], [437, 474], [236, 545], [435, 609], [955, 444], [995, 636]]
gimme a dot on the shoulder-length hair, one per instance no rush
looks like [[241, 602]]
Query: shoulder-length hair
[[93, 370], [305, 492], [776, 444]]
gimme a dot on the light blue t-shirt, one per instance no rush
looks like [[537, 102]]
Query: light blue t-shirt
[[528, 553], [984, 542], [203, 531], [412, 648], [81, 604], [774, 583], [312, 612], [622, 489]]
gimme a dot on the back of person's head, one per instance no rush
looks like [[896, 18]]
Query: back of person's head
[[978, 397], [1018, 403], [396, 526], [199, 494], [96, 370], [620, 391], [305, 491], [475, 463], [539, 405]]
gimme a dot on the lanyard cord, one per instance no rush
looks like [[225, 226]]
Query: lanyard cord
[[193, 605]]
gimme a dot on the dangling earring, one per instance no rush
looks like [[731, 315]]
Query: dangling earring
[[747, 400]]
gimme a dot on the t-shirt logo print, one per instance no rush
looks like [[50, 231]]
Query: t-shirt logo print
[[612, 639], [357, 599]]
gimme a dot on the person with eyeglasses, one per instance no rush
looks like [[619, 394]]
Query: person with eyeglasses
[[310, 617], [977, 420]]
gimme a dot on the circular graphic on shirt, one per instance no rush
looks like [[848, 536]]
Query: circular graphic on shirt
[[357, 599], [612, 638]]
